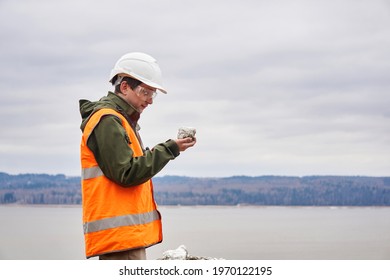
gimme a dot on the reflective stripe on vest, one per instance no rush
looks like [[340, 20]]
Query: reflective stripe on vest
[[91, 172], [126, 220]]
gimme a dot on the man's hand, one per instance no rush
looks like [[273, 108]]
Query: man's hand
[[185, 143]]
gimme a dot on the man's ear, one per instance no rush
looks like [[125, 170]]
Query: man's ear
[[123, 87]]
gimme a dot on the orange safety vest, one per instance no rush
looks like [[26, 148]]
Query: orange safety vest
[[115, 218]]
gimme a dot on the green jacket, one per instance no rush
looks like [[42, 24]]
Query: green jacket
[[108, 142]]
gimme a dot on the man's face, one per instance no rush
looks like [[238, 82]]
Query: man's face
[[140, 97]]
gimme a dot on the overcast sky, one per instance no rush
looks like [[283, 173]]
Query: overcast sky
[[276, 87]]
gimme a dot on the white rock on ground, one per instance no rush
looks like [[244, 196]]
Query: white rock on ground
[[181, 253]]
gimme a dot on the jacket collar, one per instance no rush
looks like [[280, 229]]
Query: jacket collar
[[124, 107]]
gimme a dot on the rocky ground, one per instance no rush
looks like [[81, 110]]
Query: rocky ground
[[181, 253]]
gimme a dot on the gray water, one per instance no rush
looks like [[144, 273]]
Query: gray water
[[236, 233]]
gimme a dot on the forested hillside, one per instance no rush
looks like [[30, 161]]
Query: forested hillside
[[275, 190], [176, 190], [39, 189]]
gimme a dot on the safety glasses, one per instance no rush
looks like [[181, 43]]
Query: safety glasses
[[148, 93]]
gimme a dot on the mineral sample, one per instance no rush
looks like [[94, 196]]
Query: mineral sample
[[185, 132]]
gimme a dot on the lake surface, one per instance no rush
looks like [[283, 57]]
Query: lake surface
[[234, 233]]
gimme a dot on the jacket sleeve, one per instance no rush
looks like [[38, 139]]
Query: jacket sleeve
[[108, 142]]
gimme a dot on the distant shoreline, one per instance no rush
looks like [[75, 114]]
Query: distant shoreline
[[43, 189], [10, 205]]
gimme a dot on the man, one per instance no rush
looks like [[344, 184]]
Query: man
[[120, 215]]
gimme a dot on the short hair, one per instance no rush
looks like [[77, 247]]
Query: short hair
[[133, 83]]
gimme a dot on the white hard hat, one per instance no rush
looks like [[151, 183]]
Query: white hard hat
[[139, 66]]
